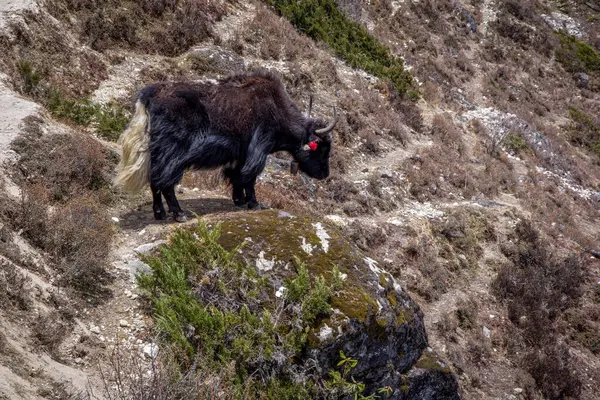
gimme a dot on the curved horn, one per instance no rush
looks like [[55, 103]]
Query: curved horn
[[328, 128], [308, 111]]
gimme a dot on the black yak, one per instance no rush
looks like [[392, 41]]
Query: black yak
[[234, 123]]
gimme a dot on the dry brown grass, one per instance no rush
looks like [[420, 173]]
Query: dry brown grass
[[50, 330], [155, 26], [79, 238], [65, 165], [70, 173], [15, 288], [289, 200], [44, 46], [553, 285], [275, 38], [205, 180]]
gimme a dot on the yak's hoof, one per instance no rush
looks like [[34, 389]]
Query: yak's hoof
[[239, 203], [160, 216], [180, 217]]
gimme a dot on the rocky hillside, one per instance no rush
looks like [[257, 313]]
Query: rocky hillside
[[452, 253]]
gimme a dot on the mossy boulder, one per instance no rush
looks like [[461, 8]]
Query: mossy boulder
[[372, 319]]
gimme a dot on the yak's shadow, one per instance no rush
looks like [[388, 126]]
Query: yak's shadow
[[143, 215]]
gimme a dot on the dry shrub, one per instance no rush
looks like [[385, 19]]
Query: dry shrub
[[435, 13], [524, 10], [77, 235], [371, 143], [338, 160], [126, 375], [465, 229], [553, 285], [65, 165], [289, 200], [408, 110], [366, 111], [434, 279], [367, 237], [448, 167], [15, 288], [211, 180], [163, 26], [341, 190], [275, 38], [32, 218], [79, 238], [466, 314], [552, 369], [444, 130], [188, 24], [50, 330], [46, 50], [435, 172]]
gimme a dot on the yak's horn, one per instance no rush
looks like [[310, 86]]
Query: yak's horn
[[328, 128], [309, 110]]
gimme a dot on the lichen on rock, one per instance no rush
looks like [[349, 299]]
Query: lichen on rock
[[372, 317]]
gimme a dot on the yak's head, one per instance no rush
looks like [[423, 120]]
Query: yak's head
[[313, 155]]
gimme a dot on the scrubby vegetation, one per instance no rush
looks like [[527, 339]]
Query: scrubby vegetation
[[424, 188], [211, 306], [576, 55], [165, 27], [584, 130], [323, 21], [71, 173], [552, 286], [515, 143], [108, 120]]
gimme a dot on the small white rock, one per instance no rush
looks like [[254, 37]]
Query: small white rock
[[486, 332], [123, 323], [115, 219], [95, 329], [150, 350]]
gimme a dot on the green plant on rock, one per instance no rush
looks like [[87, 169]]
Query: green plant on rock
[[342, 384], [322, 20], [209, 303]]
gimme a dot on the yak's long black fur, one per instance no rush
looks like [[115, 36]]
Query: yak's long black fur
[[234, 124]]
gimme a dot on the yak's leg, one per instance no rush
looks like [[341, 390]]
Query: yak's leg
[[157, 204], [251, 196], [237, 189], [254, 165], [173, 204]]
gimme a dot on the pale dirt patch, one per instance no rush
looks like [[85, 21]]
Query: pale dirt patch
[[13, 110]]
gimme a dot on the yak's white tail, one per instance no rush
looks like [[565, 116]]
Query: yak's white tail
[[133, 172]]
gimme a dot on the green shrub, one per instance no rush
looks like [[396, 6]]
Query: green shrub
[[515, 143], [576, 55], [208, 303], [584, 130], [323, 21], [29, 77], [109, 120]]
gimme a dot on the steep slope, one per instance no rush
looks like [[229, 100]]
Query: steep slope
[[479, 198]]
